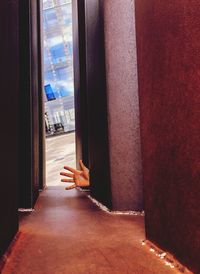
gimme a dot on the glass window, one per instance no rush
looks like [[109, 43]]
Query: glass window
[[62, 74], [50, 18], [47, 4], [66, 12], [58, 53], [48, 76], [58, 65], [46, 57], [54, 40], [61, 2], [49, 92]]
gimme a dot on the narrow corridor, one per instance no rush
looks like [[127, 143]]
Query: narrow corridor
[[68, 234]]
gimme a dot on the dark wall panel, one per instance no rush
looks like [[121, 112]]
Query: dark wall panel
[[41, 107], [9, 112], [79, 54], [34, 93], [169, 59], [30, 103], [25, 108], [97, 102]]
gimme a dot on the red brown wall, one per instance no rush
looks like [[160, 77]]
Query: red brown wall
[[168, 43]]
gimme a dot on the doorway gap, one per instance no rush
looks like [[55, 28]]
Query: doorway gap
[[58, 88]]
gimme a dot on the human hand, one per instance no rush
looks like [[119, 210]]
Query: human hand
[[80, 178]]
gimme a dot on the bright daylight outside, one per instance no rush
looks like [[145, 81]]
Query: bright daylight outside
[[58, 87]]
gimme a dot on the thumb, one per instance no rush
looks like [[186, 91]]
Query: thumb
[[83, 167]]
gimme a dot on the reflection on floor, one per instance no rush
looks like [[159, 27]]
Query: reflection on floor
[[68, 234], [60, 150]]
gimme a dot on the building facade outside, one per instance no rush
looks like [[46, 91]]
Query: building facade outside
[[58, 66]]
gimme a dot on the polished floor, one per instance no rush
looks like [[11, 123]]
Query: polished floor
[[68, 234]]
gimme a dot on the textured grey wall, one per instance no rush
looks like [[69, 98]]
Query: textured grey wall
[[123, 105]]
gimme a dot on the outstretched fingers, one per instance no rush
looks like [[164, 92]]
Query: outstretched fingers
[[67, 174], [70, 187], [67, 180], [71, 169]]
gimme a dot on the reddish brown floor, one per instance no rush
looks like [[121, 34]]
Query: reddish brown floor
[[67, 233]]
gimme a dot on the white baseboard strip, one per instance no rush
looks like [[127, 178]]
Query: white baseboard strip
[[26, 209], [166, 257], [107, 210]]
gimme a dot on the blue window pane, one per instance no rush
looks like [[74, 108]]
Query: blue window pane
[[61, 74], [58, 53], [48, 76], [50, 18], [70, 47], [63, 91], [49, 93], [46, 58], [66, 12]]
